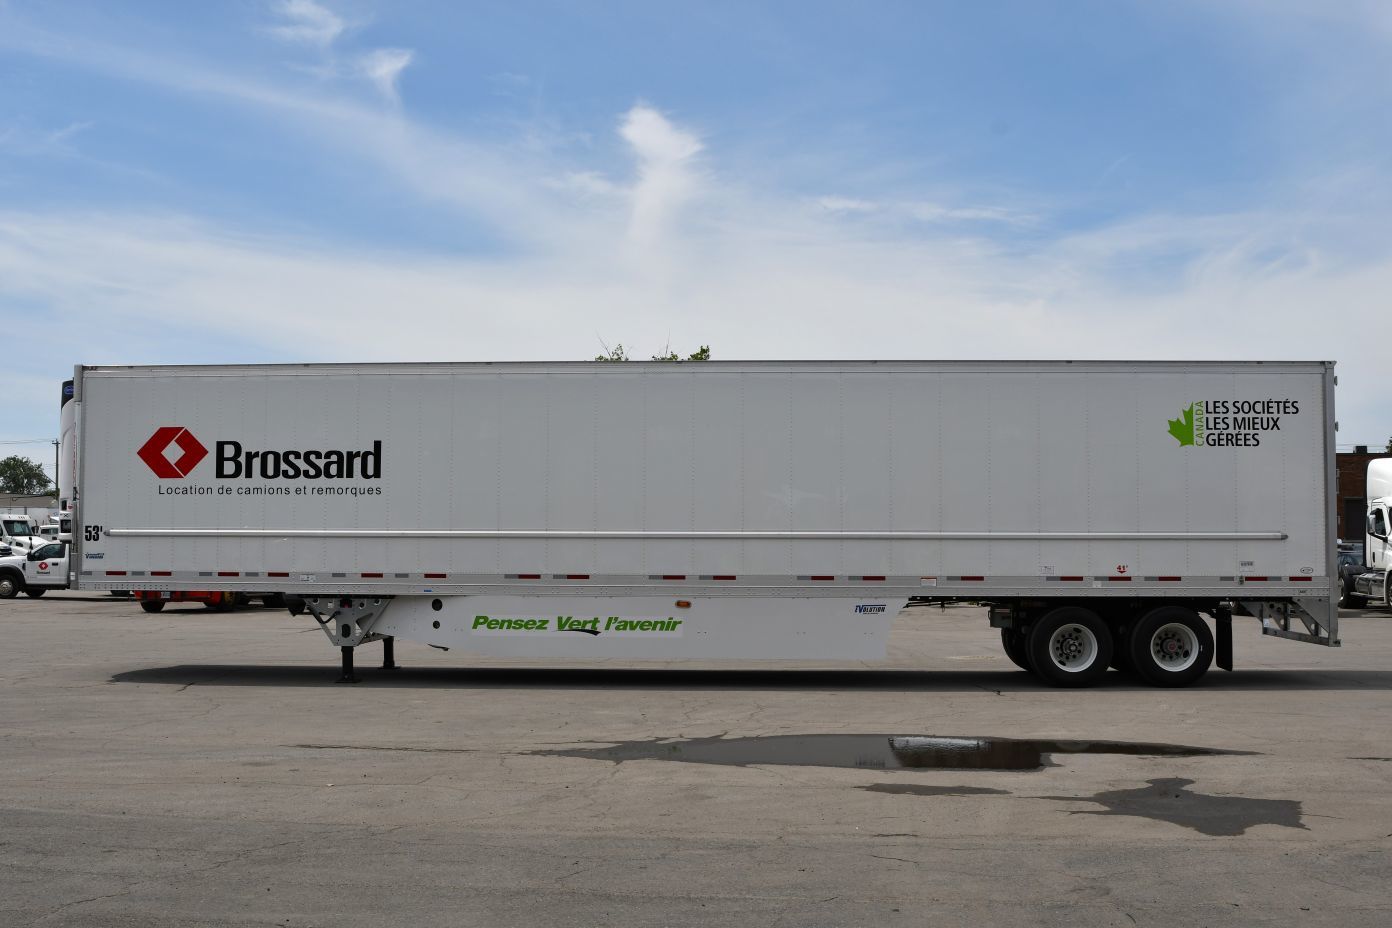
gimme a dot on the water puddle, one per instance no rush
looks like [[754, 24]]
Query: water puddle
[[915, 789], [1170, 800], [876, 752]]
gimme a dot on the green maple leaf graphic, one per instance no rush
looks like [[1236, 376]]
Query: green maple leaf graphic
[[1183, 428]]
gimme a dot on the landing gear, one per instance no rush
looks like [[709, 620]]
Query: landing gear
[[348, 621], [347, 676]]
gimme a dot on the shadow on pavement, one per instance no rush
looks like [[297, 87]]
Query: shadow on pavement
[[473, 678]]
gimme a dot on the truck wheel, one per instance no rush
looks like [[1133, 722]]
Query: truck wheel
[[1070, 646], [152, 605], [9, 586], [1171, 646], [274, 601], [1014, 644], [34, 593]]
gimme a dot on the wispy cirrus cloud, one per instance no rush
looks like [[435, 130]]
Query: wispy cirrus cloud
[[383, 67], [306, 22]]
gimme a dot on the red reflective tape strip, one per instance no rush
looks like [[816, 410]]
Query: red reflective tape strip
[[872, 579], [974, 579], [1120, 579], [674, 576], [1251, 579], [1300, 579], [227, 573], [529, 576], [371, 576], [115, 573], [577, 576], [277, 574], [723, 577], [161, 573], [1169, 579], [821, 578], [1073, 579], [435, 576]]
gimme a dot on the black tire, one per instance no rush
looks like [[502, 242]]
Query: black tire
[[1070, 646], [273, 601], [10, 585], [1014, 644], [35, 592], [1171, 646], [152, 605], [1348, 599]]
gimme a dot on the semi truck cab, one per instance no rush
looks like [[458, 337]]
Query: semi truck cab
[[20, 532], [1374, 585]]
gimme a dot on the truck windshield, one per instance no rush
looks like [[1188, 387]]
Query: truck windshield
[[16, 528]]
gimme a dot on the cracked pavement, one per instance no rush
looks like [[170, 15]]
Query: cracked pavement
[[197, 769]]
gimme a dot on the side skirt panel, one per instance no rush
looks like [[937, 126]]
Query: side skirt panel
[[717, 627]]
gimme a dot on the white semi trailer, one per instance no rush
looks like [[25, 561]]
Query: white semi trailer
[[727, 509]]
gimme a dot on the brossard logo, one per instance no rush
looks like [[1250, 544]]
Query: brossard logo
[[233, 461], [1230, 423], [153, 452]]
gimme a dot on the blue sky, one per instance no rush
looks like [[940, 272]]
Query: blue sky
[[325, 180]]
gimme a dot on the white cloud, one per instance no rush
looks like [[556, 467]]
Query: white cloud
[[921, 211], [666, 174], [383, 67], [307, 22], [751, 287]]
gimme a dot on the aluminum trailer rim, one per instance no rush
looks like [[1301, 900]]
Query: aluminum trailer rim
[[1174, 647], [1073, 647]]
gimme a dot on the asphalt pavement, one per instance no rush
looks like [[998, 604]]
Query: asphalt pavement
[[192, 768]]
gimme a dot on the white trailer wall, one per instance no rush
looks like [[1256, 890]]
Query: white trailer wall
[[1018, 473]]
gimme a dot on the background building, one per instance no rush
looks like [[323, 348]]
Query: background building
[[1352, 467]]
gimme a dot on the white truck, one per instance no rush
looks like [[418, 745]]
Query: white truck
[[1374, 585], [36, 572], [19, 531], [726, 509]]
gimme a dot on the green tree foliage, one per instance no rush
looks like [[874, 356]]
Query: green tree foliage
[[21, 475], [619, 353], [616, 353], [701, 354]]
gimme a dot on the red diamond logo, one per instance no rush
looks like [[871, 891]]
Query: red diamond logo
[[152, 452]]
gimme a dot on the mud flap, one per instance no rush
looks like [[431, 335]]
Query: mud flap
[[1222, 641]]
